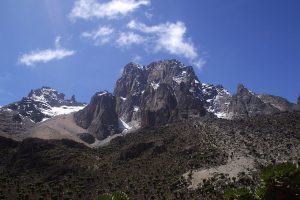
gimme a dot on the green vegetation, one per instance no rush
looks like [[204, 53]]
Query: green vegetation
[[114, 196], [150, 163], [238, 194], [278, 182]]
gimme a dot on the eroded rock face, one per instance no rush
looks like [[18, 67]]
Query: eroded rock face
[[158, 106], [246, 104], [278, 102], [162, 92], [128, 91], [99, 117]]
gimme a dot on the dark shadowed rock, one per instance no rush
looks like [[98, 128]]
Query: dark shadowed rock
[[99, 117], [86, 137], [158, 106]]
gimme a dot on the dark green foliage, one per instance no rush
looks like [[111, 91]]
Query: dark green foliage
[[280, 182], [238, 194], [114, 196]]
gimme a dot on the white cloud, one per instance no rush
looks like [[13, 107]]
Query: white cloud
[[129, 38], [199, 63], [100, 36], [171, 38], [44, 56], [89, 9], [137, 59]]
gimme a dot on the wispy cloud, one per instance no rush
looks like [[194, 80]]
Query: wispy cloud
[[170, 38], [100, 36], [137, 59], [89, 9], [129, 38], [47, 55]]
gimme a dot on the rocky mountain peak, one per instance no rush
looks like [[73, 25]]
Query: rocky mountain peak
[[247, 104], [99, 117], [140, 84], [171, 72], [44, 103], [47, 95], [242, 90], [132, 67]]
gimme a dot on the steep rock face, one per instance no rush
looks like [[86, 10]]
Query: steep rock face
[[278, 102], [44, 103], [217, 100], [158, 106], [128, 91], [139, 87], [246, 104], [99, 117]]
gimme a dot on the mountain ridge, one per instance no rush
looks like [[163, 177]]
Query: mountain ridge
[[163, 92]]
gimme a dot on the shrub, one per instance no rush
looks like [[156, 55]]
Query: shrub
[[114, 196]]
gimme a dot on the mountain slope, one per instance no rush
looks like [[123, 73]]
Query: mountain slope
[[152, 162]]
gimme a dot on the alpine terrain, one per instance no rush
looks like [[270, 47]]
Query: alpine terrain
[[161, 134]]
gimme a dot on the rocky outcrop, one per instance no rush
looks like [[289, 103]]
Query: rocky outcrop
[[278, 102], [12, 123], [246, 104], [99, 117], [40, 104]]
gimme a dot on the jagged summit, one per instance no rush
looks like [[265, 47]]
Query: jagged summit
[[47, 95], [44, 103], [160, 93]]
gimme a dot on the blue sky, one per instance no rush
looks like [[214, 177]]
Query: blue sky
[[80, 47]]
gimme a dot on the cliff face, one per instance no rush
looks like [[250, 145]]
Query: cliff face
[[99, 116]]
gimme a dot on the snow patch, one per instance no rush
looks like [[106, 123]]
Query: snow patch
[[136, 108], [155, 85], [102, 93], [124, 125], [62, 110]]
